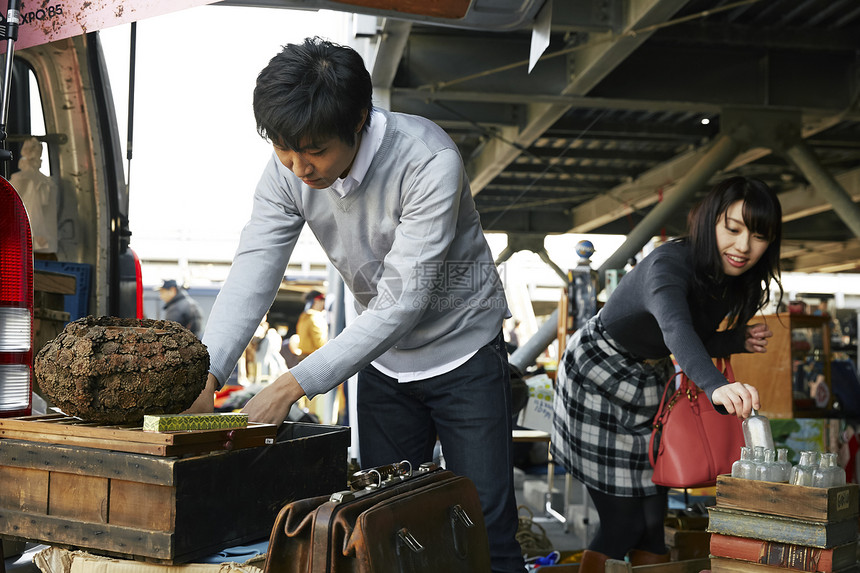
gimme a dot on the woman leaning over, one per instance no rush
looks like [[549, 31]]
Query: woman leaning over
[[615, 367]]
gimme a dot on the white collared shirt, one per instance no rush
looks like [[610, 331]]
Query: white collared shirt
[[368, 147]]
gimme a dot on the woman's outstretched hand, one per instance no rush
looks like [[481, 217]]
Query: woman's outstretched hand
[[737, 398], [756, 337]]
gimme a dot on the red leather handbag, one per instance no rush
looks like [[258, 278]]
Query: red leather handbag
[[692, 443]]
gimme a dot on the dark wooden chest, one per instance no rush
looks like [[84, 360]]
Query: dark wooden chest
[[156, 507]]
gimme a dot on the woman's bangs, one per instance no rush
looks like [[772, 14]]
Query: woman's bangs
[[760, 217]]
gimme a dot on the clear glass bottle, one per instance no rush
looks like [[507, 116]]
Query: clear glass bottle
[[744, 468], [802, 473], [822, 475], [839, 477], [814, 458], [829, 473], [768, 470], [783, 463], [758, 459], [757, 432]]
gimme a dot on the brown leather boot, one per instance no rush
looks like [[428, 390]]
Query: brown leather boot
[[640, 557], [592, 562]]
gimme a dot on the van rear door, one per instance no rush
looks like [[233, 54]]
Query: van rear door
[[61, 95]]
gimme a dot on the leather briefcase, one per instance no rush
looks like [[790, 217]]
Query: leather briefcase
[[392, 520]]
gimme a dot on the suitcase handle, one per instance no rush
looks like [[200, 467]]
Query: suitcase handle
[[382, 476], [460, 522], [374, 477], [406, 538]]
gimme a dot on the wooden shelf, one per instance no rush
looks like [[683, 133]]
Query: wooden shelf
[[773, 372]]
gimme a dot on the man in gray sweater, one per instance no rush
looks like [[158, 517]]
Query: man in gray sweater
[[387, 196]]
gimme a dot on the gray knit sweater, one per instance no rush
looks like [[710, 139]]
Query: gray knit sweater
[[652, 315], [407, 242]]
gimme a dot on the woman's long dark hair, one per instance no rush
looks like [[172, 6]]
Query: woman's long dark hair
[[762, 214]]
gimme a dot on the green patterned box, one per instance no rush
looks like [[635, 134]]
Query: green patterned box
[[180, 422]]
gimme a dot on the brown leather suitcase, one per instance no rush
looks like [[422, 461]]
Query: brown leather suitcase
[[392, 520]]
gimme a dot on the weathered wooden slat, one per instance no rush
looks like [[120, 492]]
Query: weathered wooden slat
[[32, 493], [57, 428], [142, 505], [87, 461], [102, 537], [87, 442], [782, 499], [78, 497]]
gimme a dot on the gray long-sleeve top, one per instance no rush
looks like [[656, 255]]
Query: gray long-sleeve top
[[652, 315], [408, 244]]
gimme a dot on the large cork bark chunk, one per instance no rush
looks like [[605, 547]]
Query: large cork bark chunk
[[114, 370]]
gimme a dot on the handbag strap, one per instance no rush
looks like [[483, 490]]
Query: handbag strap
[[724, 365], [662, 412], [683, 385], [661, 409]]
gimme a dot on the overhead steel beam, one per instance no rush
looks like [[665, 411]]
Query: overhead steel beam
[[760, 37], [805, 202], [389, 49], [724, 149], [832, 257], [806, 161], [641, 193], [631, 102], [591, 65], [533, 243], [557, 99]]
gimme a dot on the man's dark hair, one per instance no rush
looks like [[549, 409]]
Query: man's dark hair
[[315, 90]]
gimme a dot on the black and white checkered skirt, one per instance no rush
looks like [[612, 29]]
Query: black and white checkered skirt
[[604, 406]]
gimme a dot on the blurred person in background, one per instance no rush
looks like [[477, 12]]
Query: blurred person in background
[[180, 307], [312, 327]]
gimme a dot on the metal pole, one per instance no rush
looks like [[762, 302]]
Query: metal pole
[[725, 148], [504, 255], [10, 34], [527, 353], [807, 162], [544, 256]]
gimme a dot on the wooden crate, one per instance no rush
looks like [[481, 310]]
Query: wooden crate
[[160, 508], [70, 431], [686, 544], [782, 499]]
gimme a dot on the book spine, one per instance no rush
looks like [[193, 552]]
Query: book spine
[[792, 556], [780, 529]]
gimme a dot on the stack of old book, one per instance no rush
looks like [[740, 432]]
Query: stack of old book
[[761, 527]]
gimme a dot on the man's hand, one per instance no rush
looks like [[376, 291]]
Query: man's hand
[[756, 337], [272, 404], [737, 398], [205, 402]]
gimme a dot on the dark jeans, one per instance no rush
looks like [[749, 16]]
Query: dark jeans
[[469, 410]]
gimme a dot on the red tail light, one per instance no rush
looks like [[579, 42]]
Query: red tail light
[[16, 305], [138, 286]]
